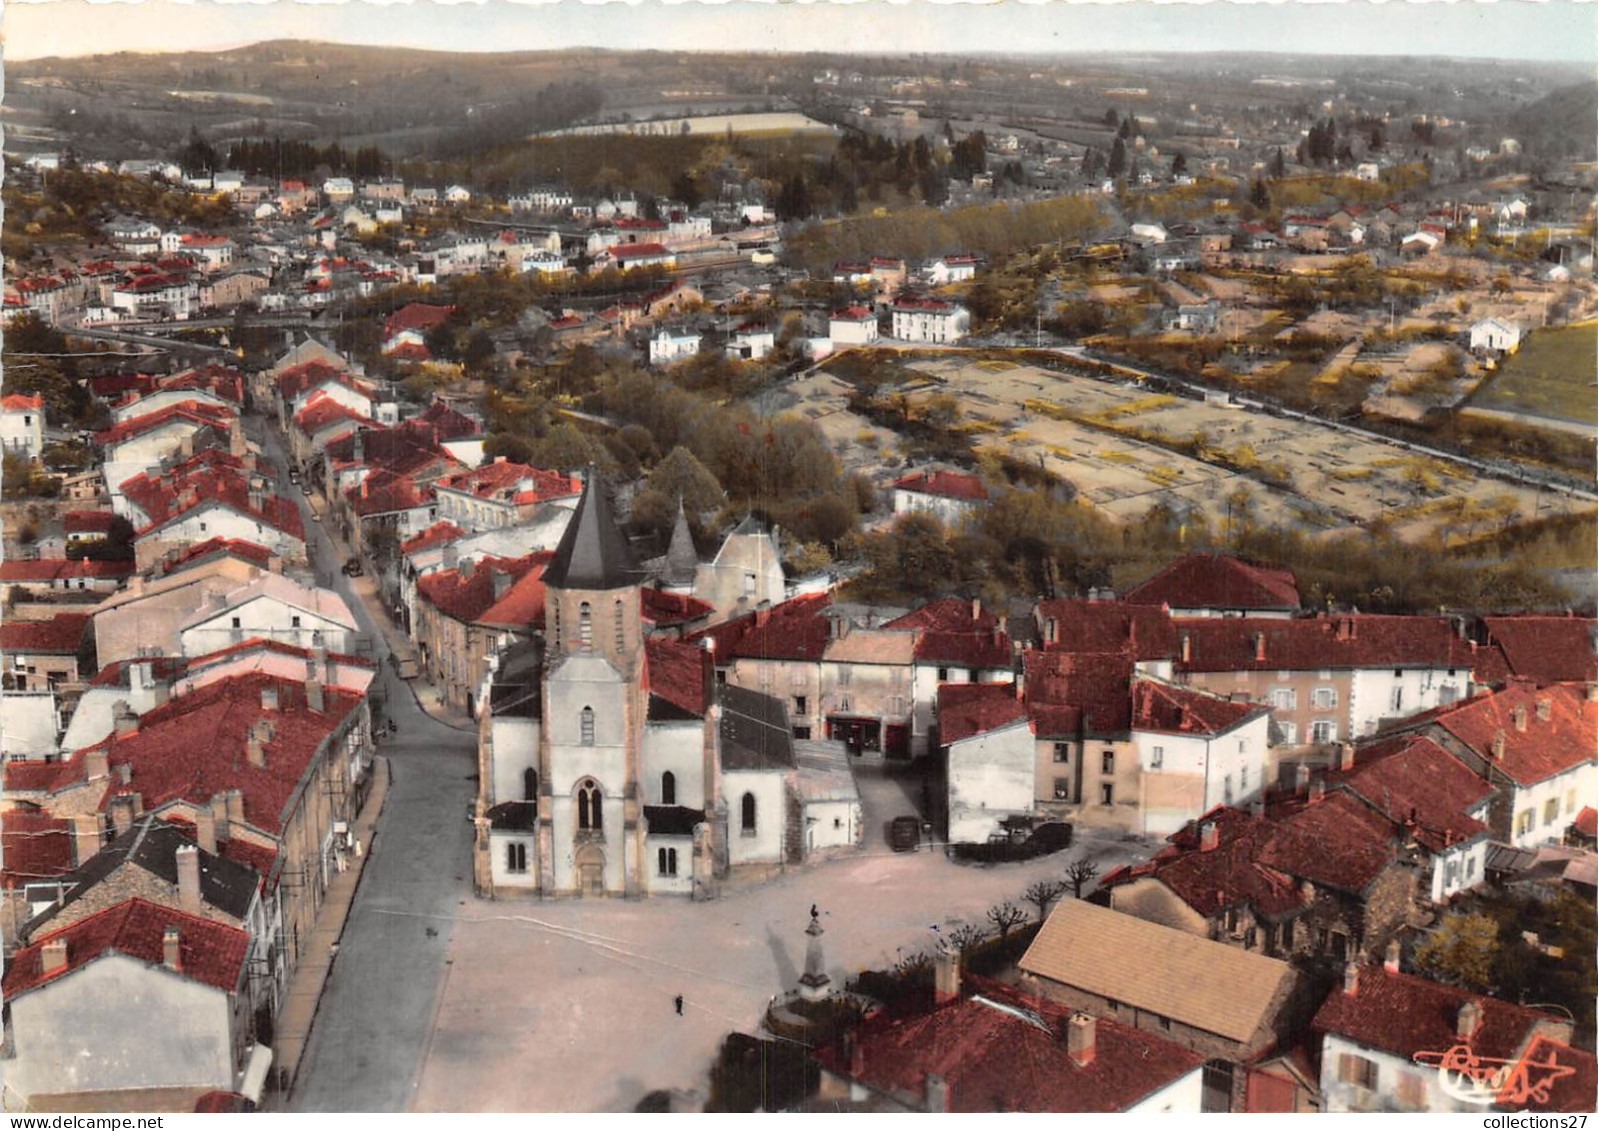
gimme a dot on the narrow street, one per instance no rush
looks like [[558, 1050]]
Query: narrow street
[[376, 1015]]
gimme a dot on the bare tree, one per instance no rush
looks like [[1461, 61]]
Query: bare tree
[[965, 936], [909, 965], [1080, 873], [1005, 917], [1042, 895]]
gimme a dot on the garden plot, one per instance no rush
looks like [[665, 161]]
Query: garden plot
[[1114, 442]]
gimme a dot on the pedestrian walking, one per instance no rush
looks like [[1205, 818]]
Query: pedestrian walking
[[679, 1005]]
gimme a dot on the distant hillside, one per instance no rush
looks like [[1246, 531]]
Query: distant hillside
[[1562, 124]]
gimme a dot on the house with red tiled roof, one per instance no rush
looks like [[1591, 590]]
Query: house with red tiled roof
[[1199, 585], [211, 495], [953, 497], [958, 641], [962, 1055], [1536, 746], [318, 424], [853, 326], [1545, 649], [273, 607], [416, 316], [929, 320], [138, 1001], [465, 611], [22, 424], [631, 256], [502, 494], [296, 386], [40, 576], [1330, 678], [39, 655], [278, 763], [147, 614], [139, 443], [393, 504], [399, 451], [1386, 1037]]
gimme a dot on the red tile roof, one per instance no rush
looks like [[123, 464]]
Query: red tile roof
[[36, 846], [854, 314], [1217, 581], [21, 402], [195, 746], [115, 674], [966, 709], [639, 251], [1546, 649], [401, 451], [209, 476], [198, 413], [677, 673], [1076, 694], [1002, 1051], [444, 531], [322, 410], [445, 422], [466, 593], [1586, 821], [1412, 778], [210, 952], [957, 633], [797, 629], [54, 569], [1168, 709], [522, 606], [234, 547], [1575, 1084], [1343, 641], [947, 484], [219, 379], [1227, 875], [1339, 842], [87, 522], [383, 492], [516, 482], [415, 316], [1139, 632], [1538, 748], [62, 634], [1404, 1015], [661, 608]]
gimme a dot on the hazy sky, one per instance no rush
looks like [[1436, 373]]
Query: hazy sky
[[1510, 29]]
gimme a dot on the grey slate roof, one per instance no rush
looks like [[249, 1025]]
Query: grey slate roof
[[672, 820], [593, 553], [152, 844], [682, 560], [516, 689], [754, 731]]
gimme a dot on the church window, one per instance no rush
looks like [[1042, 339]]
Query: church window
[[590, 812], [668, 788], [515, 857], [621, 627], [748, 823], [529, 784], [585, 626], [667, 860], [587, 726]]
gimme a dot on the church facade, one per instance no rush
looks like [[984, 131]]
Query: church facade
[[610, 762]]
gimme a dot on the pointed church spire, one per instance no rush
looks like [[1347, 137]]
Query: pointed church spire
[[593, 553], [682, 560]]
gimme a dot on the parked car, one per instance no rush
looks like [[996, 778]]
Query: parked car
[[352, 568], [904, 833]]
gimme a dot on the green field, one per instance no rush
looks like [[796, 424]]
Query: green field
[[1551, 376]]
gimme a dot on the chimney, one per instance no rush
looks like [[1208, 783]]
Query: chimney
[[501, 581], [205, 828], [235, 813], [53, 956], [451, 556], [366, 488], [269, 697], [1497, 749], [946, 974], [125, 773], [1209, 836], [1469, 1020], [1545, 708], [937, 1093], [1395, 953], [1187, 648], [97, 763], [123, 719], [172, 949], [1351, 978], [188, 861], [1345, 755], [255, 745], [466, 568], [1259, 647], [1518, 716], [86, 835], [1317, 792], [1082, 1038], [314, 698], [1301, 775], [123, 810]]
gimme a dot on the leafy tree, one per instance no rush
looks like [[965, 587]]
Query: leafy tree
[[1259, 196], [1118, 158], [1278, 164], [1462, 949], [1112, 119], [1179, 165]]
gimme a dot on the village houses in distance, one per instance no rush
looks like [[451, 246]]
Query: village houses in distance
[[845, 579]]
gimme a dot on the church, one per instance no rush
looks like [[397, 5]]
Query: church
[[611, 762]]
